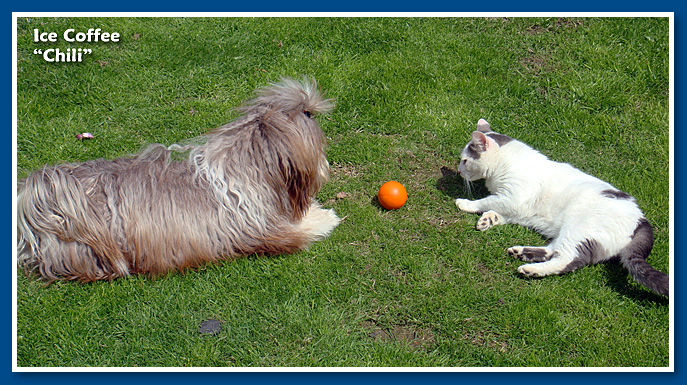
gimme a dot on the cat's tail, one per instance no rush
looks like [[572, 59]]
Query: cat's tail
[[634, 255]]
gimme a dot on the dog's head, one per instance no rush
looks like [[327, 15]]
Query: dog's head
[[278, 138]]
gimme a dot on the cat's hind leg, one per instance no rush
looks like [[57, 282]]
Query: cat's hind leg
[[531, 254], [541, 269], [560, 256]]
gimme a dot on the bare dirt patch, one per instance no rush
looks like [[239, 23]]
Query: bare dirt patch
[[344, 171], [412, 335], [480, 338]]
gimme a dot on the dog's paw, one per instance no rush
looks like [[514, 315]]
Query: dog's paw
[[466, 205], [332, 220], [488, 220], [319, 222]]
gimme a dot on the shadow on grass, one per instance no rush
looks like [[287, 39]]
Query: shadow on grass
[[374, 201], [617, 278], [454, 186]]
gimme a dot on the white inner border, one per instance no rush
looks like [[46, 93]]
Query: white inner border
[[669, 15]]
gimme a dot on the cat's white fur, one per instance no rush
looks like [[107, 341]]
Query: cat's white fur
[[588, 220]]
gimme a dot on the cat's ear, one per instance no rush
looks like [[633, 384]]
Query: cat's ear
[[483, 126], [480, 140]]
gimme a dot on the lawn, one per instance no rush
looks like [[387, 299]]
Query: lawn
[[418, 286]]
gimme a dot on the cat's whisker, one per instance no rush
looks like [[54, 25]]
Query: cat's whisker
[[468, 188]]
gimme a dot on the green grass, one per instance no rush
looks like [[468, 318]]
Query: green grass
[[414, 287]]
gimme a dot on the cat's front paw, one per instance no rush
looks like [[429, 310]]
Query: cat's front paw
[[466, 205], [488, 220]]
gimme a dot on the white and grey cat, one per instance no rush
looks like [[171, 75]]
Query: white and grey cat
[[587, 219]]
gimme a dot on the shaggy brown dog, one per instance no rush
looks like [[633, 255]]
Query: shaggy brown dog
[[247, 187]]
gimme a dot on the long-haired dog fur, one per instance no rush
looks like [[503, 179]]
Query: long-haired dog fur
[[247, 187]]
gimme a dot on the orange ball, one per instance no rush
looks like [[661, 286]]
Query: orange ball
[[392, 195]]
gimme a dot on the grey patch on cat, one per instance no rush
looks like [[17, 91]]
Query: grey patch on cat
[[473, 151], [616, 194], [500, 139], [633, 258], [531, 254], [644, 235], [484, 128], [589, 252], [536, 254]]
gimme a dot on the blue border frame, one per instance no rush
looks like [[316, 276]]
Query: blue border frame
[[680, 51]]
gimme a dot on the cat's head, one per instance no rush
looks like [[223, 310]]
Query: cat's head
[[481, 154]]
